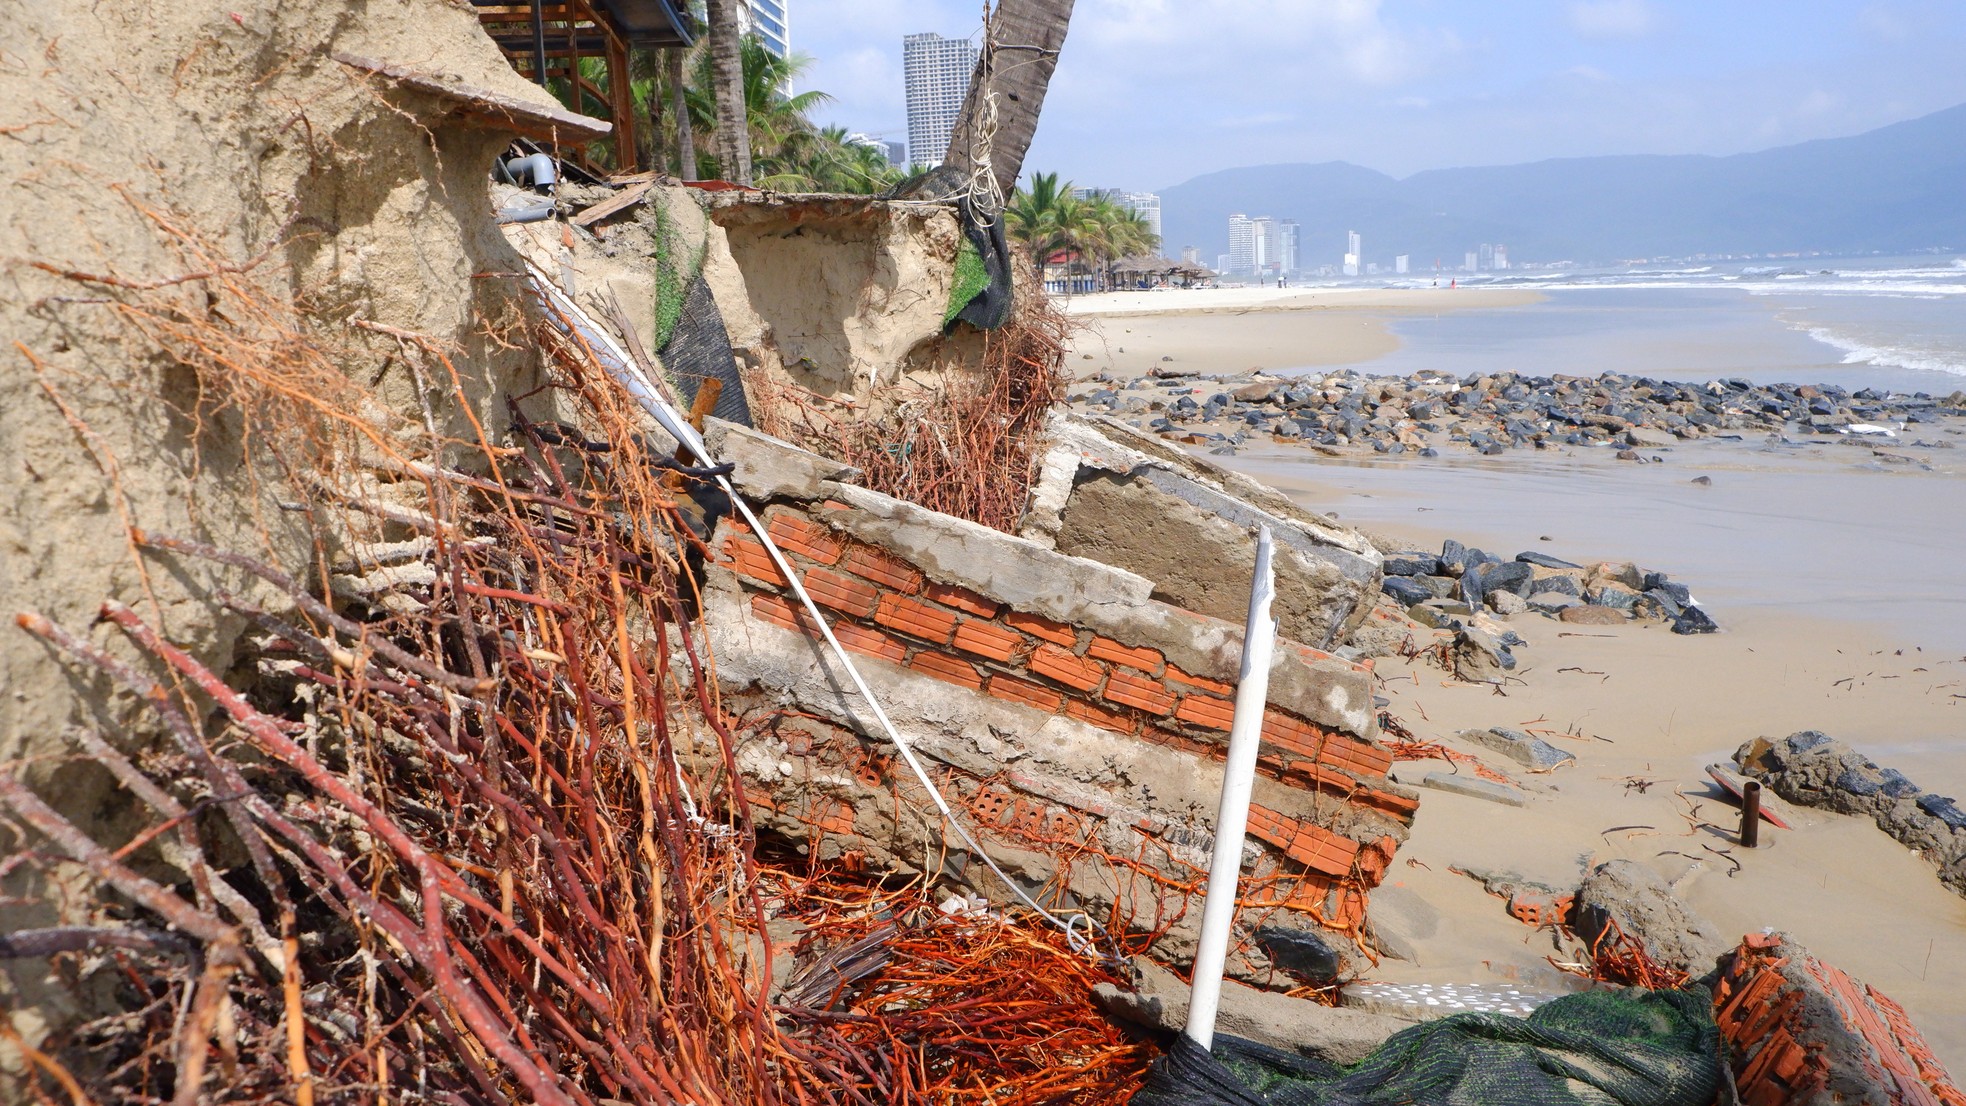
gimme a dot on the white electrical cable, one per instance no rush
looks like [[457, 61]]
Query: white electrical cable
[[1218, 912], [629, 375]]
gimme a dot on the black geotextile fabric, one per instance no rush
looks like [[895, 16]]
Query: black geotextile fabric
[[989, 308], [699, 348], [1632, 1047]]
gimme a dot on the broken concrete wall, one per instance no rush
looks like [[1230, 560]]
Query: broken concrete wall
[[1113, 494], [1804, 1033], [1073, 715]]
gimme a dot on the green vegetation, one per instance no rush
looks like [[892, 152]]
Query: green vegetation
[[1051, 218], [788, 152]]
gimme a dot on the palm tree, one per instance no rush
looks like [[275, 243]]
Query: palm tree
[[1027, 35], [672, 67], [777, 131], [727, 66], [1046, 219], [835, 164]]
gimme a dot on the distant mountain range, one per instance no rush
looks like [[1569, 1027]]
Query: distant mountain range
[[1897, 189]]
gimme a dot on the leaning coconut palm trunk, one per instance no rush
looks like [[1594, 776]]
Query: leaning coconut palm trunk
[[1023, 40], [727, 63]]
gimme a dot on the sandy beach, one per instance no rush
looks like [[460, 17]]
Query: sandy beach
[[1831, 566], [1216, 330], [1833, 580]]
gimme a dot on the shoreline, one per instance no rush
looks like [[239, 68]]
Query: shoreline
[[1644, 711], [1830, 566], [1129, 334]]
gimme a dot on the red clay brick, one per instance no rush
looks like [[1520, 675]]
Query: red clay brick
[[1206, 684], [1206, 711], [749, 558], [1183, 742], [883, 568], [1041, 627], [1290, 734], [987, 639], [963, 599], [1142, 692], [842, 593], [1024, 691], [942, 666], [870, 642], [805, 538], [1106, 649], [1054, 663], [1116, 721], [781, 612], [916, 619]]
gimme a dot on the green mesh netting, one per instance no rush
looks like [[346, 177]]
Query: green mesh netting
[[676, 267], [971, 278], [1632, 1047]]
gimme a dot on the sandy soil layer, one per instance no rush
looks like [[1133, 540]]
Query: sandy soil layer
[[1833, 579], [1220, 330]]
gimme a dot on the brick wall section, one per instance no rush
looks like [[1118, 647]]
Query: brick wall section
[[886, 608], [1788, 1018]]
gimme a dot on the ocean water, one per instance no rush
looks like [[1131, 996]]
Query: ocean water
[[1897, 323]]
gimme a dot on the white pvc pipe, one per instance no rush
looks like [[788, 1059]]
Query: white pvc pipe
[[1218, 913]]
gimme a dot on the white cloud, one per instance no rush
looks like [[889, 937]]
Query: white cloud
[[1613, 18], [1289, 39]]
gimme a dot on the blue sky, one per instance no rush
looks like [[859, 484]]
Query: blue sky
[[1149, 93]]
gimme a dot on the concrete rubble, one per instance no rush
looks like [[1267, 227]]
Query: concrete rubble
[[1421, 414], [1804, 1033], [1813, 769]]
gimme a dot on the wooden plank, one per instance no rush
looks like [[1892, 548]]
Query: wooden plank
[[625, 198], [1732, 785]]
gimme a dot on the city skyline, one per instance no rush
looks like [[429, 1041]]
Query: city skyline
[[1405, 85]]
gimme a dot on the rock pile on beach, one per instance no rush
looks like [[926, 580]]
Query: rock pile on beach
[[1445, 589], [1494, 413], [1813, 769]]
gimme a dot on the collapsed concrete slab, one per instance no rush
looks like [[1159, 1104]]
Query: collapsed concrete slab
[[1078, 720], [1111, 493]]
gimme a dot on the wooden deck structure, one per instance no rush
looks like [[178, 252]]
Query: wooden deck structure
[[543, 39]]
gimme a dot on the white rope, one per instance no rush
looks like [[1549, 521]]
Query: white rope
[[644, 391]]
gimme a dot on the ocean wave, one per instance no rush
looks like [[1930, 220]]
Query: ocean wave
[[1860, 353]]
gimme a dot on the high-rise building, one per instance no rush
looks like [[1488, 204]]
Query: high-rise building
[[1190, 255], [1287, 246], [1354, 255], [1471, 262], [1242, 244], [1263, 243], [1399, 264], [1487, 256], [897, 154], [1144, 204], [937, 72], [1501, 257], [767, 20]]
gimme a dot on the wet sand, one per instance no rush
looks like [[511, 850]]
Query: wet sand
[[1835, 578], [1222, 330]]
